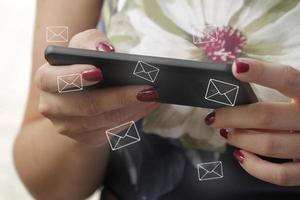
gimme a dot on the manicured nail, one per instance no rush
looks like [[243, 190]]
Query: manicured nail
[[92, 75], [241, 67], [148, 95], [224, 133], [210, 118], [105, 46], [239, 156]]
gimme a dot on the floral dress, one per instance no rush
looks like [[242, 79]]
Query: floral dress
[[175, 142]]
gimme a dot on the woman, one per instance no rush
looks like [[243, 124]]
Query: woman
[[62, 150]]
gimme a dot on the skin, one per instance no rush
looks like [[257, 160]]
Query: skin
[[267, 128], [61, 151]]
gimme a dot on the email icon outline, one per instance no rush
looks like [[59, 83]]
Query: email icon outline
[[110, 133], [65, 86], [210, 171], [150, 74], [205, 31], [214, 97], [57, 34]]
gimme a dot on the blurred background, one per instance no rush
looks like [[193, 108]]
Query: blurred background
[[16, 30]]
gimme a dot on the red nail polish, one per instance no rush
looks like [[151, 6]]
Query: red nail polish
[[148, 95], [239, 156], [210, 118], [241, 67], [224, 133], [105, 46], [92, 75]]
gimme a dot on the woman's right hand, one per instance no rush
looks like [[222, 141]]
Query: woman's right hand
[[85, 116]]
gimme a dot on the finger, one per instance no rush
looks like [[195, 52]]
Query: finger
[[283, 78], [92, 103], [63, 78], [277, 145], [98, 137], [78, 125], [272, 130], [286, 174], [48, 78], [91, 39], [262, 115]]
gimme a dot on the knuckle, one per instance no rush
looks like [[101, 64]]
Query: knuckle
[[64, 128], [83, 125], [88, 105], [45, 110], [41, 79], [280, 177], [79, 39], [76, 40], [270, 147], [265, 115], [290, 78], [114, 116], [259, 72], [124, 98]]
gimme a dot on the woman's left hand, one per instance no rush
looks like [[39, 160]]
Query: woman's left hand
[[266, 129]]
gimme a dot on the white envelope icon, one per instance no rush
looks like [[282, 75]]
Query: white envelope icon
[[146, 71], [210, 170], [122, 135], [57, 34], [69, 83], [221, 92], [204, 34]]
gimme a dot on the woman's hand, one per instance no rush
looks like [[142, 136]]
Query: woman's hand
[[267, 129], [84, 116]]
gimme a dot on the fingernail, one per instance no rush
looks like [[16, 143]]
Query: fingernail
[[224, 133], [241, 67], [148, 95], [105, 46], [239, 156], [92, 75], [210, 118]]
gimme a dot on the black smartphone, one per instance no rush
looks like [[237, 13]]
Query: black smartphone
[[182, 82]]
